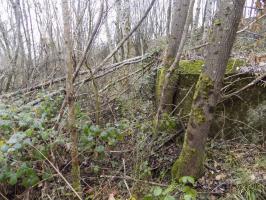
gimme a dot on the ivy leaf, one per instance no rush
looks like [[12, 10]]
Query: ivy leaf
[[187, 179], [99, 149], [13, 179], [112, 131], [5, 124], [157, 191], [148, 197], [30, 180], [86, 129], [169, 197], [29, 132], [190, 193], [4, 148], [188, 197], [16, 138], [17, 146], [104, 135], [95, 130], [90, 138]]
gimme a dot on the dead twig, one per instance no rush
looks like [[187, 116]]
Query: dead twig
[[133, 179], [3, 196], [59, 173], [120, 44], [254, 82], [250, 24], [124, 166], [60, 79]]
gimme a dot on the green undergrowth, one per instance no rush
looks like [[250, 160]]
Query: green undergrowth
[[23, 130], [183, 189], [27, 140]]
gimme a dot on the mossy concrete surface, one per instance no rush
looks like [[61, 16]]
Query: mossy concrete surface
[[189, 67], [231, 114], [195, 66]]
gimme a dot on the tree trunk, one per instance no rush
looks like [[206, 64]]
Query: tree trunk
[[118, 30], [172, 70], [207, 20], [71, 95], [108, 35], [168, 19], [221, 38], [126, 27], [20, 54], [195, 23], [179, 16]]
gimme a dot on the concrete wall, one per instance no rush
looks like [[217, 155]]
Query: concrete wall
[[232, 115]]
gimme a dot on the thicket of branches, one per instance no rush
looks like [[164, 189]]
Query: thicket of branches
[[89, 92]]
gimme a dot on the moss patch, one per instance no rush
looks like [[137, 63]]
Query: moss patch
[[233, 64], [195, 66], [191, 66], [204, 86], [189, 163], [225, 112], [159, 83], [198, 115]]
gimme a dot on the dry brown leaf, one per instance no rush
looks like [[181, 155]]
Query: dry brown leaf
[[252, 177], [111, 196], [220, 177]]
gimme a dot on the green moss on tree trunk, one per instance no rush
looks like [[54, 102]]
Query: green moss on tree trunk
[[191, 159], [159, 84], [189, 163], [203, 87]]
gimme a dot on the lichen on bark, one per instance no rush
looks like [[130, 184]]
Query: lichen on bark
[[161, 73], [204, 86], [198, 115], [159, 83]]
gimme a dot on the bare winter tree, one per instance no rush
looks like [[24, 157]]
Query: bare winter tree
[[165, 95], [68, 41], [207, 93], [126, 26]]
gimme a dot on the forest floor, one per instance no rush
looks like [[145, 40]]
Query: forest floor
[[135, 166], [124, 157], [233, 170]]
